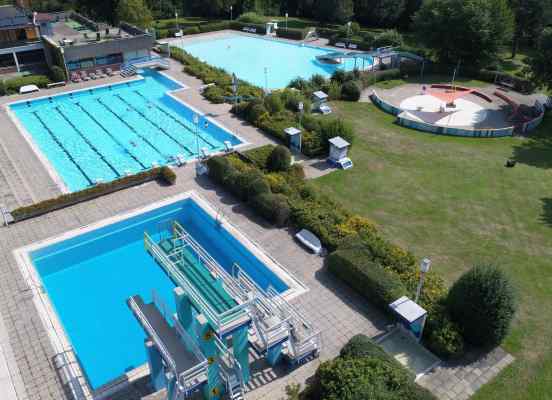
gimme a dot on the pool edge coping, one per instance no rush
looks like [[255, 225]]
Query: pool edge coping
[[52, 322]]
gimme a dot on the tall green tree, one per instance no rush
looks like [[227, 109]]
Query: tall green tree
[[468, 30], [541, 63], [383, 13], [339, 11], [134, 12], [529, 20]]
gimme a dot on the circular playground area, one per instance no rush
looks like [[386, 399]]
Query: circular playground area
[[459, 111], [430, 109]]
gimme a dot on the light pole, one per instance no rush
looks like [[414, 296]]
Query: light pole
[[425, 265], [176, 20], [230, 12], [348, 28], [300, 106], [286, 21]]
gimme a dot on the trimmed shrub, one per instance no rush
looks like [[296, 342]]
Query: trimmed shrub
[[219, 168], [257, 187], [273, 103], [255, 111], [388, 38], [11, 86], [279, 159], [290, 33], [251, 18], [300, 84], [317, 81], [443, 337], [214, 26], [483, 303], [57, 74], [259, 155], [214, 94], [362, 346], [278, 183], [167, 175], [69, 199], [350, 91], [358, 378], [192, 30], [243, 181], [273, 207], [354, 266]]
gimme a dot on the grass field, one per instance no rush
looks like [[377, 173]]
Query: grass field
[[453, 200]]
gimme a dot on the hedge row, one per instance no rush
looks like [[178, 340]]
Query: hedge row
[[11, 86], [290, 33], [164, 174]]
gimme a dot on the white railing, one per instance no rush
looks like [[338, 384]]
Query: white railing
[[217, 319], [151, 331]]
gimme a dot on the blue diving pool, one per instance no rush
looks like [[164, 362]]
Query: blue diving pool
[[89, 277], [104, 133], [248, 57]]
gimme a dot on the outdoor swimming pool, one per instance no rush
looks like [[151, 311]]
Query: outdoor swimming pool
[[89, 277], [103, 133], [248, 57]]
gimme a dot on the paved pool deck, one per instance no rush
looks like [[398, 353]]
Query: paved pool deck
[[27, 370]]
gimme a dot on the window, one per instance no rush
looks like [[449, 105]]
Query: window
[[80, 64], [110, 59]]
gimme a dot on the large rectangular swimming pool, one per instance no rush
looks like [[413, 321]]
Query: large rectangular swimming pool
[[265, 62], [89, 277], [103, 133]]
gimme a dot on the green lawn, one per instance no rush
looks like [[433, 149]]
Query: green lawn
[[453, 200]]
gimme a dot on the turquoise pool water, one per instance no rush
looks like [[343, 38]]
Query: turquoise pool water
[[107, 132], [89, 277], [248, 57]]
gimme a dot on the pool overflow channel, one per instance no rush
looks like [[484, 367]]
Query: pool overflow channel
[[187, 352]]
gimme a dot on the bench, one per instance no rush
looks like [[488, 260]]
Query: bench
[[56, 84]]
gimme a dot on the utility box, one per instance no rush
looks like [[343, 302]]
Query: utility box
[[294, 138], [411, 316], [339, 148]]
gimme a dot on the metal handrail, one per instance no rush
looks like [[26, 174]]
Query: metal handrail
[[218, 319], [154, 335]]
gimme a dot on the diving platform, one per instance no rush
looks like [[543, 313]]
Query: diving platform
[[179, 352], [213, 306]]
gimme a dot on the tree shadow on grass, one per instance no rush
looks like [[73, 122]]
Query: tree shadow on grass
[[546, 214], [536, 150]]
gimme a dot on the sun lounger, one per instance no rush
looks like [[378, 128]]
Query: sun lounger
[[28, 89], [309, 240], [92, 75], [228, 146], [84, 76], [180, 160], [109, 72], [340, 44], [100, 73], [204, 153], [75, 78]]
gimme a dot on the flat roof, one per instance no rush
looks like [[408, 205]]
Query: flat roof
[[12, 17], [339, 142], [407, 309], [79, 34]]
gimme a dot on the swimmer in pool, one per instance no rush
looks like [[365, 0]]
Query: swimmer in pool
[[133, 143]]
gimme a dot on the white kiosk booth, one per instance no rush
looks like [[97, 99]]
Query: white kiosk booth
[[338, 153]]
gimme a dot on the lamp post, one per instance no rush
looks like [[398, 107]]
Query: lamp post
[[348, 28], [176, 20], [230, 12], [300, 106], [286, 21], [425, 265]]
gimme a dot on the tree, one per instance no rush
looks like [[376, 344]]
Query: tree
[[134, 12], [379, 12], [279, 159], [334, 10], [540, 62], [482, 302], [529, 20], [467, 30]]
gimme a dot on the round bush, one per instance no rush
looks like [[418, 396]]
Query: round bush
[[257, 187], [273, 207], [362, 346], [219, 168], [279, 159], [339, 76], [168, 175], [350, 91], [255, 111], [482, 302]]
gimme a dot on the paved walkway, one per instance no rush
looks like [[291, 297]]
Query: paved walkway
[[335, 309]]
